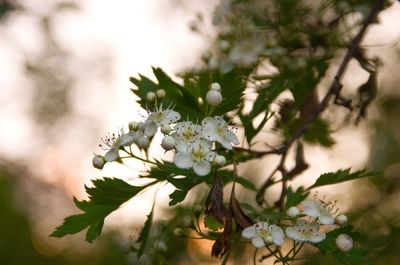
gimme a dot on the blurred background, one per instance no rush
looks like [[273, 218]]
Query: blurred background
[[64, 82]]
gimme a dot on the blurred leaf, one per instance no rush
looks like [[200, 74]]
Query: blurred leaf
[[241, 219], [295, 197], [341, 176], [177, 196], [319, 133], [105, 197]]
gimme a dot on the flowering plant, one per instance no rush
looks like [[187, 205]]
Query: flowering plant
[[209, 111]]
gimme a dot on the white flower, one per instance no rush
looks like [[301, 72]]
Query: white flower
[[305, 231], [344, 242], [159, 118], [214, 97], [197, 155], [216, 129], [98, 161], [111, 143], [262, 233], [187, 132], [168, 143], [220, 160], [341, 219], [246, 52], [143, 142], [292, 212], [321, 210]]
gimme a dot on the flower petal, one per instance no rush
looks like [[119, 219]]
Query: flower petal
[[249, 232], [202, 168], [311, 208], [232, 137], [173, 116], [326, 219], [258, 242], [210, 134], [127, 139], [182, 160], [208, 121], [111, 155], [277, 235], [317, 238], [225, 143], [293, 233], [150, 129]]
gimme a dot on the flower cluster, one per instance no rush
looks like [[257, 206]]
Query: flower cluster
[[193, 143], [305, 226]]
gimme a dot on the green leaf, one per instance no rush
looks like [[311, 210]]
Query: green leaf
[[341, 176], [295, 197], [211, 223], [105, 197], [353, 257], [144, 234], [177, 196]]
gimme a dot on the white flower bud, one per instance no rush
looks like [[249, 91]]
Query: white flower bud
[[161, 93], [293, 212], [344, 242], [213, 97], [215, 86], [98, 161], [220, 160], [168, 143], [133, 126], [143, 142], [341, 219], [179, 232], [151, 96], [166, 129]]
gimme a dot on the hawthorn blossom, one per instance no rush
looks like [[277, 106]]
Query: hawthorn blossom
[[262, 233], [321, 210], [158, 118], [344, 242], [305, 231], [187, 132], [216, 129], [196, 155]]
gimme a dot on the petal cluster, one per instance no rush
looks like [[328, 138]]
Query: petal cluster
[[262, 234]]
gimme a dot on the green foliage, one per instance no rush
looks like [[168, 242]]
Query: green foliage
[[319, 133], [295, 197], [144, 234], [105, 197], [341, 175], [211, 223]]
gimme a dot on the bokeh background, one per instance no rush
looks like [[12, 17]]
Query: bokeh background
[[64, 82]]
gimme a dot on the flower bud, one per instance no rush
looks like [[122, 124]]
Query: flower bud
[[98, 161], [166, 129], [179, 232], [215, 86], [168, 143], [220, 160], [143, 142], [197, 209], [133, 126], [213, 97], [161, 93], [341, 219], [344, 242], [151, 96], [292, 212]]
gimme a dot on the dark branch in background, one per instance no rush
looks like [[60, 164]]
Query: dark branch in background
[[333, 91]]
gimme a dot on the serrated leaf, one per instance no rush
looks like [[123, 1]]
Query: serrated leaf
[[319, 133], [144, 234], [341, 175], [105, 197], [177, 196], [295, 197]]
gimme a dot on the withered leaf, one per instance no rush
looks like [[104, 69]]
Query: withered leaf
[[241, 219], [221, 245], [215, 200]]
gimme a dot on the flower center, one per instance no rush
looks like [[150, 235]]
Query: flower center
[[189, 135], [220, 131], [158, 116], [198, 155]]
